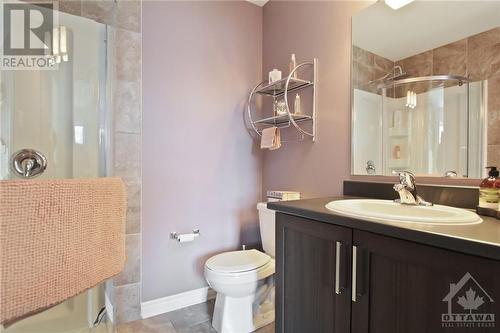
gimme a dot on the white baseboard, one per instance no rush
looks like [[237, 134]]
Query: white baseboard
[[170, 303]]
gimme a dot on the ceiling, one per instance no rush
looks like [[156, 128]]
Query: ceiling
[[421, 25]]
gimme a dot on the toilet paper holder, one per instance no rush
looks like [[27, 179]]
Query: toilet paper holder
[[181, 238]]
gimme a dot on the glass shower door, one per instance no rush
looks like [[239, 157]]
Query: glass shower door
[[63, 114], [59, 112]]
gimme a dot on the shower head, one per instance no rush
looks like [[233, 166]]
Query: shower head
[[397, 73]]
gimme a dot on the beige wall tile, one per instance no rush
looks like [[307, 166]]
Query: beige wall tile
[[102, 11], [494, 111], [71, 6], [417, 65], [129, 15], [450, 59], [133, 209], [127, 303], [368, 66], [128, 55], [127, 157], [493, 156], [489, 37], [132, 270], [363, 74], [127, 105], [483, 59], [363, 56], [382, 64]]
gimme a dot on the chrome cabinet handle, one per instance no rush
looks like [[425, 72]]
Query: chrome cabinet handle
[[354, 269], [338, 246]]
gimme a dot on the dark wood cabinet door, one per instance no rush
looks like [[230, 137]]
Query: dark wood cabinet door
[[312, 259], [405, 287]]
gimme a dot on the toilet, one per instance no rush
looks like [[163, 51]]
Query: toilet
[[244, 282]]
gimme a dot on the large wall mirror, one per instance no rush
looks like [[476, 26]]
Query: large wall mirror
[[426, 88]]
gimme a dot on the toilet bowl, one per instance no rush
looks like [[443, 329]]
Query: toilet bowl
[[244, 282]]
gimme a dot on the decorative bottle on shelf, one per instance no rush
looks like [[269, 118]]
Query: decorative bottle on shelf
[[274, 75], [296, 106], [293, 64], [275, 107]]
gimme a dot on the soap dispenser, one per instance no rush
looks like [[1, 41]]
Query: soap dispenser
[[488, 193]]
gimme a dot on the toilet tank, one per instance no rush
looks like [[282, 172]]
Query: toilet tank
[[267, 228]]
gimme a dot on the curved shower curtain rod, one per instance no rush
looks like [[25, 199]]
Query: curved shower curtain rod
[[460, 79]]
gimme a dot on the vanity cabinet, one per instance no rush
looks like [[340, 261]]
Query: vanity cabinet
[[387, 285], [312, 272]]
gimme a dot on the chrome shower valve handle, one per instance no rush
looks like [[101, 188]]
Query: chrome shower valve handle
[[28, 163]]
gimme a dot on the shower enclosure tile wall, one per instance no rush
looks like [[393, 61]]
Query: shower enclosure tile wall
[[368, 66], [127, 156]]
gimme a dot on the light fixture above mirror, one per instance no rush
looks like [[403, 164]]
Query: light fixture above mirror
[[396, 4]]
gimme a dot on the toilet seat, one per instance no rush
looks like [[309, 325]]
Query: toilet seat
[[227, 270], [237, 261]]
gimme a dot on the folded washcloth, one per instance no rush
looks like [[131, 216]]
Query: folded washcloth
[[58, 238], [271, 138]]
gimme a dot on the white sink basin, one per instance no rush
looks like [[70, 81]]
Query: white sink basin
[[389, 211]]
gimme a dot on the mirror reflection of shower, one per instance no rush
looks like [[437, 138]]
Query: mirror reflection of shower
[[430, 137], [424, 98]]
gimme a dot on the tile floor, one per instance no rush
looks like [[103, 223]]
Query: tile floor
[[193, 319]]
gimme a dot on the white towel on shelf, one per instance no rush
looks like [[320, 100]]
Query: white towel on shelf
[[271, 138]]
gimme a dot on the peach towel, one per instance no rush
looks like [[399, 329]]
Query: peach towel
[[271, 138], [58, 238]]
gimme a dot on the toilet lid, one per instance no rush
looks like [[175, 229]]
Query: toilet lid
[[237, 261]]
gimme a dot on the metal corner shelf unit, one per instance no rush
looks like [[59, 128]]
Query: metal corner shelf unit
[[282, 88]]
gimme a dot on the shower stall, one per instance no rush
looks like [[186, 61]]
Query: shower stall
[[431, 125], [62, 115]]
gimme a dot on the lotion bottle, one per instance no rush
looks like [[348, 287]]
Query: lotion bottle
[[488, 190]]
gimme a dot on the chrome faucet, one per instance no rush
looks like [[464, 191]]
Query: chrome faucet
[[407, 190]]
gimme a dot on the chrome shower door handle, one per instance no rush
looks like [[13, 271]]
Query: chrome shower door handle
[[28, 163]]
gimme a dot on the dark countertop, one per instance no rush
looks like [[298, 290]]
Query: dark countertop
[[479, 239]]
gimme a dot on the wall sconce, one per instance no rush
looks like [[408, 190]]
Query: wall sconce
[[411, 99]]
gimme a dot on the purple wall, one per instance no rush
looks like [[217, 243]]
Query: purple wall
[[322, 30], [200, 168]]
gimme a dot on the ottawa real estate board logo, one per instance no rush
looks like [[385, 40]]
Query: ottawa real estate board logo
[[27, 32], [469, 305]]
